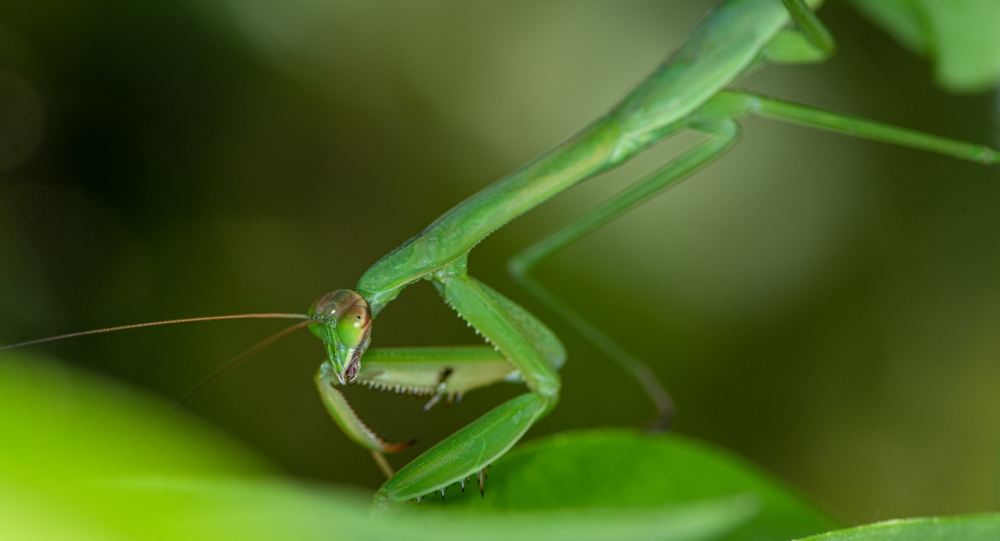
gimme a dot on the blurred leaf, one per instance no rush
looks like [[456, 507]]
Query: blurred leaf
[[279, 509], [959, 35], [967, 528], [84, 459], [623, 468]]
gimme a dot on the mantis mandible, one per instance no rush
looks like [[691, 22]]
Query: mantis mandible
[[686, 92]]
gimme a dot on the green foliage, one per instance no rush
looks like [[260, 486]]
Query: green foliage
[[625, 469], [86, 459], [959, 35], [970, 528]]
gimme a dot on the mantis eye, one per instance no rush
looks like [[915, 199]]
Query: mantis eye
[[344, 326], [327, 305], [354, 325]]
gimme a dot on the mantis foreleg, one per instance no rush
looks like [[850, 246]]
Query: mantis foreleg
[[463, 454], [437, 372], [345, 417], [434, 372], [530, 348]]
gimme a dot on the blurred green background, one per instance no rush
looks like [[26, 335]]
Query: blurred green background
[[823, 306]]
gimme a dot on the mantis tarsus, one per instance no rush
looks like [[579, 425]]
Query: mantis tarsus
[[686, 92]]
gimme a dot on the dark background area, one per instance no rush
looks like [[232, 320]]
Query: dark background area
[[826, 307]]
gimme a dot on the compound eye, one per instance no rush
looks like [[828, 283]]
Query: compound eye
[[354, 326], [335, 303], [325, 305]]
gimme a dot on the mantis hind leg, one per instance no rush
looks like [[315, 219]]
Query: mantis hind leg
[[731, 103], [723, 135]]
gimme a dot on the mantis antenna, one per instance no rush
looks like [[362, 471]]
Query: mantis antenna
[[239, 359], [155, 324], [228, 365]]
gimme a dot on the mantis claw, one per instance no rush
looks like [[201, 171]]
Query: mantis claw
[[345, 416]]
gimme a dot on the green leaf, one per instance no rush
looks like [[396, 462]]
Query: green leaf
[[960, 36], [964, 528], [82, 458], [620, 468]]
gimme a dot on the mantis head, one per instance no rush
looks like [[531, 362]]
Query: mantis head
[[344, 324]]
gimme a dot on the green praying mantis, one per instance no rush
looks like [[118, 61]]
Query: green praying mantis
[[687, 92]]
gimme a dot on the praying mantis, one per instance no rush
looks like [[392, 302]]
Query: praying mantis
[[685, 93]]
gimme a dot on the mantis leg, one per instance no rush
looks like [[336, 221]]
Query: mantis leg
[[348, 421], [530, 348], [807, 43], [435, 372], [730, 103], [792, 46], [723, 136], [807, 21]]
